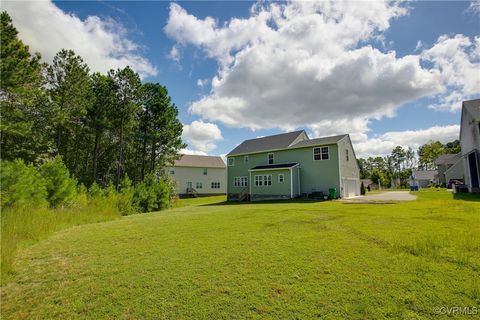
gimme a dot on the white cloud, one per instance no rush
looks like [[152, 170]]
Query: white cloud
[[457, 60], [201, 136], [193, 152], [474, 7], [202, 82], [175, 54], [302, 64], [103, 43], [383, 144]]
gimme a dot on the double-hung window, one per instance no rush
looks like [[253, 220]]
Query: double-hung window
[[231, 162], [270, 158], [240, 182], [321, 153], [245, 159], [346, 154], [199, 185], [264, 180], [205, 171], [281, 177]]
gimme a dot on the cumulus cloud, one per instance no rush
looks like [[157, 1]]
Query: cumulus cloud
[[193, 152], [202, 82], [302, 64], [474, 7], [103, 43], [380, 145], [457, 60], [201, 136]]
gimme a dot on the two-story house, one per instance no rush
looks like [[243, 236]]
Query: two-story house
[[198, 175], [289, 165], [470, 143]]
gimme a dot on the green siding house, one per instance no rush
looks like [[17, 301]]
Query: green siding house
[[290, 165]]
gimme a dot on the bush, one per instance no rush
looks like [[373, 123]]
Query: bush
[[125, 201], [154, 194], [21, 185], [61, 188], [362, 189], [95, 191]]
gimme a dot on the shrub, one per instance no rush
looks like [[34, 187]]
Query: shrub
[[362, 189], [154, 194], [61, 187], [125, 202], [95, 191], [21, 185]]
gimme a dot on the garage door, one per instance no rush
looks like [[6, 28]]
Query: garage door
[[351, 188]]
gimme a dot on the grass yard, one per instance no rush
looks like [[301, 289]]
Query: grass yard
[[278, 260]]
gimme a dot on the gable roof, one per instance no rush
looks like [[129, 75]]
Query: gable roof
[[290, 140], [278, 141], [473, 107], [424, 174], [448, 158], [188, 160], [319, 141]]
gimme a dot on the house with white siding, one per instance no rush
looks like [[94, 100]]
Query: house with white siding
[[199, 175]]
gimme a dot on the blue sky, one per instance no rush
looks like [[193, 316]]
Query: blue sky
[[387, 74]]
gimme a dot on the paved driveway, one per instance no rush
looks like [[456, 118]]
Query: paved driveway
[[390, 196]]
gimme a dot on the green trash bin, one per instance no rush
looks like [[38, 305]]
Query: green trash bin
[[332, 193]]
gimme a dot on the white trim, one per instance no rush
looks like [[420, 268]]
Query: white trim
[[271, 169], [321, 153], [241, 184], [268, 158], [339, 171], [263, 180], [250, 185], [283, 177], [298, 176], [291, 183]]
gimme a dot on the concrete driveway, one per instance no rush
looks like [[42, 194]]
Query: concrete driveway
[[385, 197]]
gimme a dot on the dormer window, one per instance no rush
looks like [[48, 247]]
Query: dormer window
[[270, 158]]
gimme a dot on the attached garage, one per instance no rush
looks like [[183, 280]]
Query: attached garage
[[351, 188]]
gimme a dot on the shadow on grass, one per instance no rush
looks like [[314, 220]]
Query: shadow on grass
[[467, 196], [236, 203]]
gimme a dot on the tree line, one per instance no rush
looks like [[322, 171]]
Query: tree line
[[395, 169], [105, 127]]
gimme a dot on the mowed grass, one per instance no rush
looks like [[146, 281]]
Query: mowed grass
[[278, 260]]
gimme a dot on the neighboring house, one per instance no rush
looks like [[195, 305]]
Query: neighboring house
[[444, 162], [369, 183], [289, 165], [423, 178], [199, 175], [470, 143], [455, 172]]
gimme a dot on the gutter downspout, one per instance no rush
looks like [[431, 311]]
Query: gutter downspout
[[291, 183]]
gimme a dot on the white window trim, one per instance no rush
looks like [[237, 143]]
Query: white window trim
[[321, 158], [233, 162], [268, 158], [242, 181], [263, 180], [283, 178]]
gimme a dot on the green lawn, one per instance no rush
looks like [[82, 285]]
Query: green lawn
[[278, 260]]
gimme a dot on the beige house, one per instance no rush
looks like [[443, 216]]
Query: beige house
[[199, 175]]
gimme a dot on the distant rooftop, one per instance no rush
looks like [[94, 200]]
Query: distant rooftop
[[448, 158], [188, 160], [290, 140]]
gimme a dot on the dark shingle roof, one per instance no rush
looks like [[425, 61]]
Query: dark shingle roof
[[188, 160], [275, 166], [447, 159], [473, 107], [278, 141], [319, 141]]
